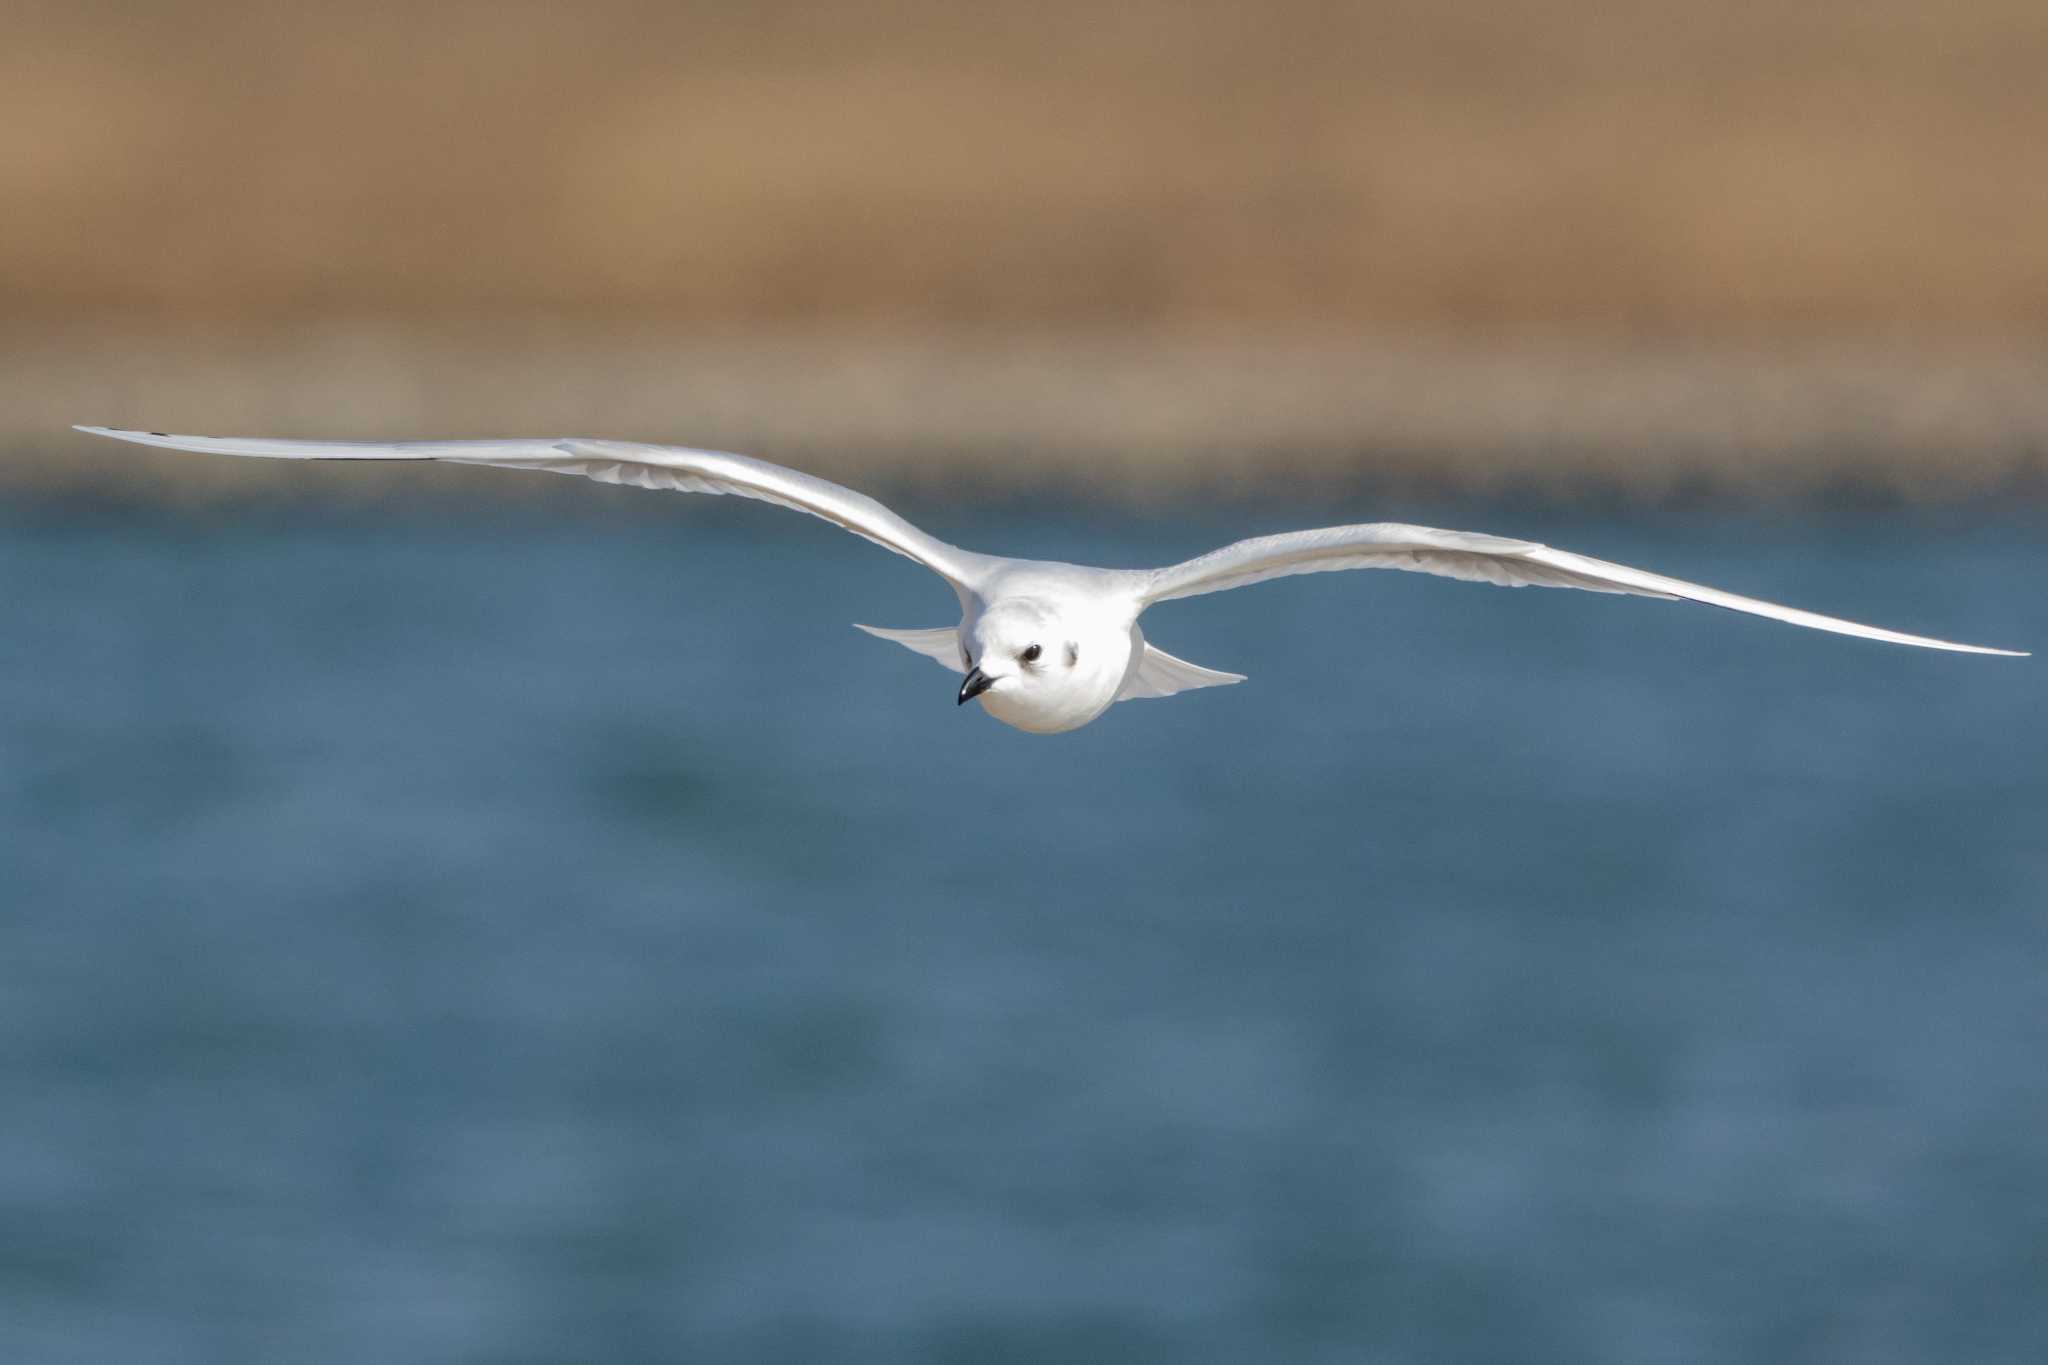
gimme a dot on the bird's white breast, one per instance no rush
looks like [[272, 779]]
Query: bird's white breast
[[1048, 711]]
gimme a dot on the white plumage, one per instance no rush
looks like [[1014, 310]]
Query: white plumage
[[1048, 646]]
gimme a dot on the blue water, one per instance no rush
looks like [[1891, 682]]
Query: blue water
[[553, 934]]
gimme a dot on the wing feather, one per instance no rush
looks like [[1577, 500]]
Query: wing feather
[[675, 468], [1481, 558]]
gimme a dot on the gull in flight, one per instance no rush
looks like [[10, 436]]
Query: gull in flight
[[1044, 646]]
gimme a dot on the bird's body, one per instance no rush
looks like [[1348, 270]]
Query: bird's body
[[1046, 646]]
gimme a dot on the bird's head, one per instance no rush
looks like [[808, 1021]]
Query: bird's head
[[1039, 669]]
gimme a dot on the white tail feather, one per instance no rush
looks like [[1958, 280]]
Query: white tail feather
[[941, 643], [1159, 674]]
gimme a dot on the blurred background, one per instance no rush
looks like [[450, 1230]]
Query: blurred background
[[441, 918], [1498, 244]]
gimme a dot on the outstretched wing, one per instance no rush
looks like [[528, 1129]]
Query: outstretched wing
[[1480, 558], [627, 462]]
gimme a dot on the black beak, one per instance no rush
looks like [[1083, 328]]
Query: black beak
[[977, 682]]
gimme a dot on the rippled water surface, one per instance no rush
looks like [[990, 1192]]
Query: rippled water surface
[[519, 937]]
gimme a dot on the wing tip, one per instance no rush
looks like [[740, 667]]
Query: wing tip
[[1929, 642], [1952, 648], [145, 438]]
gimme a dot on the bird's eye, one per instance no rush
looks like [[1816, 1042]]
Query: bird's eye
[[1030, 655]]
